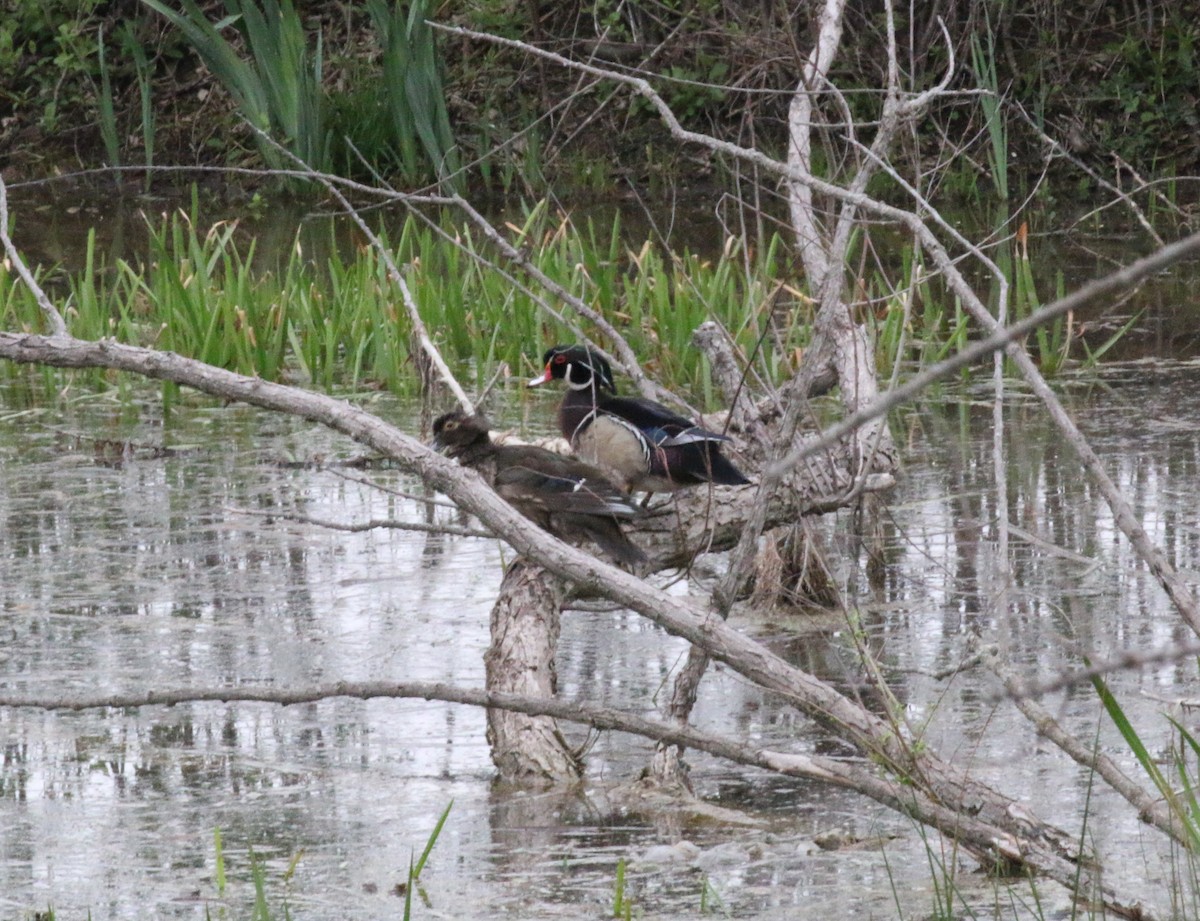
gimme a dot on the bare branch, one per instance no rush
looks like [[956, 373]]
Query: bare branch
[[53, 317], [992, 844], [921, 100], [259, 173], [1187, 248], [400, 493], [1149, 808], [643, 88], [1129, 660], [810, 241], [357, 527], [1138, 214], [397, 277]]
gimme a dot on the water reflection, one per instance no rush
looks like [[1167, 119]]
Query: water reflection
[[126, 561]]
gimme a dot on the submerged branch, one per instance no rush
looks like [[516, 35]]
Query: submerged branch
[[357, 527]]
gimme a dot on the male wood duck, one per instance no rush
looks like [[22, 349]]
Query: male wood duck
[[640, 444], [562, 495]]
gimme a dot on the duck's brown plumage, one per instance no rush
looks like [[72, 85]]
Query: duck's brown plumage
[[568, 498]]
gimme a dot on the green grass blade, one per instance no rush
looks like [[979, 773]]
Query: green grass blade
[[219, 860], [1117, 714], [433, 836], [408, 891], [1094, 356], [1188, 782], [620, 905], [1140, 752], [292, 864], [262, 911]]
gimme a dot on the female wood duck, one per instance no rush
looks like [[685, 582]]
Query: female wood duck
[[562, 495], [640, 444]]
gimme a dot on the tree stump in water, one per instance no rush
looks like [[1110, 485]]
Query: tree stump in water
[[520, 660], [791, 571]]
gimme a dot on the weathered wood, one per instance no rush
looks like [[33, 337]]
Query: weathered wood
[[729, 375], [524, 625]]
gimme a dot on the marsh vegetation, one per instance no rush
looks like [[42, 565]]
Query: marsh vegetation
[[934, 659]]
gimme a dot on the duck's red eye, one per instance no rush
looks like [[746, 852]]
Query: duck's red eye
[[560, 359]]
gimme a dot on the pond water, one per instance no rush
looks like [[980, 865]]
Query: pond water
[[129, 559]]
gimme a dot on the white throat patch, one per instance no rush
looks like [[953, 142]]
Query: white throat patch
[[572, 383]]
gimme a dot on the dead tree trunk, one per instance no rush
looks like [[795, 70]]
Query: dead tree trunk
[[520, 660]]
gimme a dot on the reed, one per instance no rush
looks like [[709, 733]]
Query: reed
[[710, 899], [144, 73], [326, 314], [432, 840], [1181, 801], [398, 117], [1052, 342], [415, 96], [622, 906], [920, 323], [336, 322], [108, 118], [280, 93], [201, 297], [262, 905], [983, 57], [1175, 774], [219, 862]]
